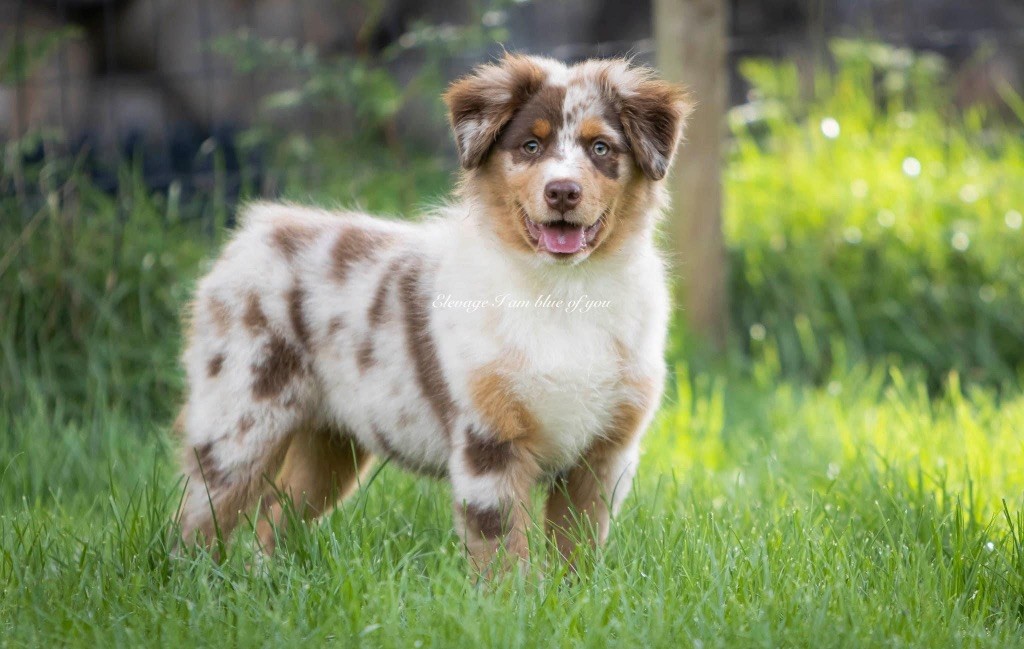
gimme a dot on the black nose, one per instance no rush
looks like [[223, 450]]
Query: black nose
[[562, 195]]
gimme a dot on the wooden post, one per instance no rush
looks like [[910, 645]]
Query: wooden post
[[691, 42]]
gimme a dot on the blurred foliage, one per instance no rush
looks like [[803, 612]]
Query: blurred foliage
[[364, 82], [869, 223], [91, 296], [29, 48], [874, 221]]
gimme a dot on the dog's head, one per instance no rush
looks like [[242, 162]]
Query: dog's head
[[567, 160]]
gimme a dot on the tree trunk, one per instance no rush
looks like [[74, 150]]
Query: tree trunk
[[691, 48]]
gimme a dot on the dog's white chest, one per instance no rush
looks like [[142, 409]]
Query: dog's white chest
[[569, 381]]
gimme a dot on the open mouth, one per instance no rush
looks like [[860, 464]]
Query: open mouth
[[562, 237]]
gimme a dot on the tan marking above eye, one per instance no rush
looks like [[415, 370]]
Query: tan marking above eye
[[592, 127], [541, 128]]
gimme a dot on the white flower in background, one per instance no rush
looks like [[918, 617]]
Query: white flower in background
[[833, 471], [905, 120], [1013, 219], [961, 241], [912, 166], [970, 193], [757, 331], [830, 128], [886, 219]]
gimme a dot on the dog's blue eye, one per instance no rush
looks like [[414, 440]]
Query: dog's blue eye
[[531, 147], [601, 148]]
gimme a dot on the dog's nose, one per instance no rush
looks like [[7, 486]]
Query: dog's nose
[[562, 195]]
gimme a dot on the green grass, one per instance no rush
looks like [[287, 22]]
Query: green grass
[[896, 237], [767, 514], [851, 477]]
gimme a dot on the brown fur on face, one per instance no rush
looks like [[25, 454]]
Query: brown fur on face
[[652, 118], [481, 104], [541, 128], [608, 127]]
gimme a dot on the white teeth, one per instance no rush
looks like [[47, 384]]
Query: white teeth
[[591, 232]]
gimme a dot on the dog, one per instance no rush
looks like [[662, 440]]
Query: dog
[[514, 339]]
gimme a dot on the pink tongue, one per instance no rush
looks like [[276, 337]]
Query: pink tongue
[[562, 238]]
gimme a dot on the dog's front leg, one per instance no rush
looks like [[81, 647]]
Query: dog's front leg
[[491, 480], [581, 502]]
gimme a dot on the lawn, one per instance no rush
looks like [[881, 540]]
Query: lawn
[[851, 474], [860, 513]]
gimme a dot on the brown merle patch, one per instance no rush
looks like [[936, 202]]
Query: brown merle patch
[[334, 325], [281, 362], [353, 247], [380, 297], [210, 470], [364, 357], [406, 418], [254, 319], [487, 522], [427, 365], [487, 454], [296, 314], [215, 365], [221, 316], [544, 109], [245, 424], [292, 238]]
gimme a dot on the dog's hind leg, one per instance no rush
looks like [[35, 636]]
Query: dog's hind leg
[[322, 466], [249, 393], [225, 477]]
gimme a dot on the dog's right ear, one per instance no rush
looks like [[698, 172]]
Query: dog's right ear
[[482, 103]]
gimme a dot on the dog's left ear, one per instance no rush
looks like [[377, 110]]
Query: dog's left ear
[[481, 104], [652, 114]]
